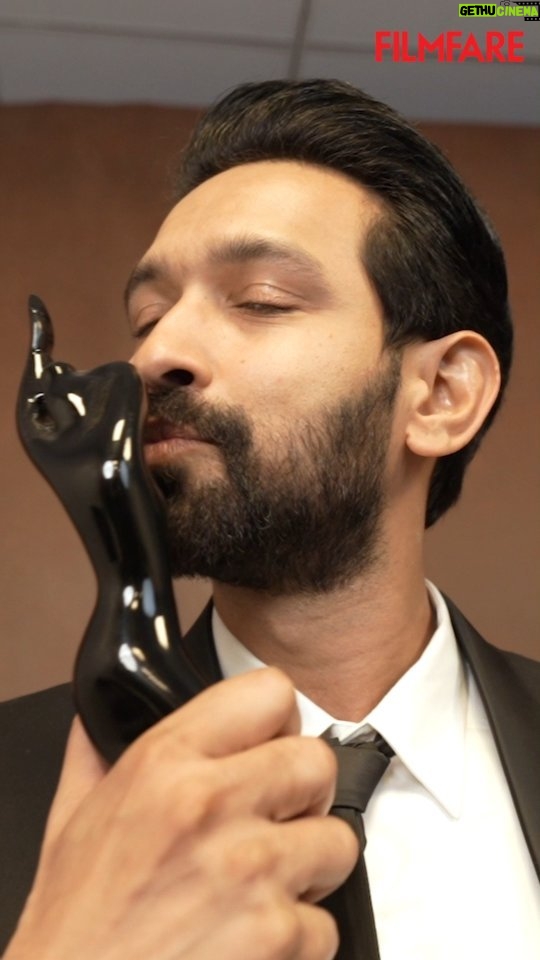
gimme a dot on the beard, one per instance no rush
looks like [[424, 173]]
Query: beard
[[301, 516]]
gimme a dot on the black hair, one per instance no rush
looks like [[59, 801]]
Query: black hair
[[433, 258]]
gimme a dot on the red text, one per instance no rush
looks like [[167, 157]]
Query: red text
[[452, 45]]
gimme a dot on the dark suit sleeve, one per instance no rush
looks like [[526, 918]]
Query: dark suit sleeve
[[33, 733], [509, 685]]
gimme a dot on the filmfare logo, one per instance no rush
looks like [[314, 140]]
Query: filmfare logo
[[459, 45]]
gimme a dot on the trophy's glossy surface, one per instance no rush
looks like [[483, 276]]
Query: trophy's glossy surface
[[83, 430]]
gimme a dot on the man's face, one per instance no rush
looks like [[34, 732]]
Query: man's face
[[261, 344]]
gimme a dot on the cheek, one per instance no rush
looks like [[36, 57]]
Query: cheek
[[296, 373], [282, 399], [267, 377]]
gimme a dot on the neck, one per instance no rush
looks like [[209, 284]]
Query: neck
[[364, 636]]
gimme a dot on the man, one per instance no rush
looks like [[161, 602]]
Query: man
[[322, 327]]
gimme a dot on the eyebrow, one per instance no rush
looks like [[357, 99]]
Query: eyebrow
[[147, 271], [238, 250], [247, 248]]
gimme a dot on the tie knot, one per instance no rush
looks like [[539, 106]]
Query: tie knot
[[360, 767]]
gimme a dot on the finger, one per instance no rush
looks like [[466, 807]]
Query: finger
[[317, 856], [277, 928], [308, 858], [319, 938], [41, 329], [82, 770], [230, 716], [286, 777]]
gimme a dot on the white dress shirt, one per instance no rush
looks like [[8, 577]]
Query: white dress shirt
[[450, 874]]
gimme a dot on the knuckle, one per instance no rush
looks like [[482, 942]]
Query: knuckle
[[280, 929], [146, 751], [250, 859], [185, 793], [281, 680], [196, 800], [312, 754], [316, 763]]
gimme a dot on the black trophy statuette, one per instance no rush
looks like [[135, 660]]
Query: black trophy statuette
[[83, 432]]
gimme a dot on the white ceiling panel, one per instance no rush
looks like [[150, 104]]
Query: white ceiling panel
[[354, 21], [469, 92], [240, 18], [42, 66]]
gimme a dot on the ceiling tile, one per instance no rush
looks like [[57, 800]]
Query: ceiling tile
[[470, 92], [348, 21], [241, 18], [42, 66]]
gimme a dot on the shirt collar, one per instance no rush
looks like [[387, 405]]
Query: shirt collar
[[422, 717]]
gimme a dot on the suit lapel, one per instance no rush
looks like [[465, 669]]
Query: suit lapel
[[510, 689], [198, 646]]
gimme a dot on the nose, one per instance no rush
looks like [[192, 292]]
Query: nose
[[171, 356]]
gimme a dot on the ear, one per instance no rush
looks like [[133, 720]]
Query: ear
[[451, 384]]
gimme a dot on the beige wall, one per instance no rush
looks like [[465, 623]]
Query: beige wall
[[82, 190]]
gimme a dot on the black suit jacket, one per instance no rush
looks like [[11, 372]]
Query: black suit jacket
[[33, 731]]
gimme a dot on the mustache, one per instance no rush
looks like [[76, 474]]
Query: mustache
[[225, 427]]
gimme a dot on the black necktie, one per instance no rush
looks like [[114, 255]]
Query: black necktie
[[360, 767]]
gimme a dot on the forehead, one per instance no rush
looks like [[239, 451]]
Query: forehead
[[319, 210]]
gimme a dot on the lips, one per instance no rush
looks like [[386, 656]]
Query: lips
[[157, 431]]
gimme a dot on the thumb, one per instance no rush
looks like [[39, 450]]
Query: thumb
[[82, 770]]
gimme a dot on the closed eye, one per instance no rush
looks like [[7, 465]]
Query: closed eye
[[266, 309], [141, 332]]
